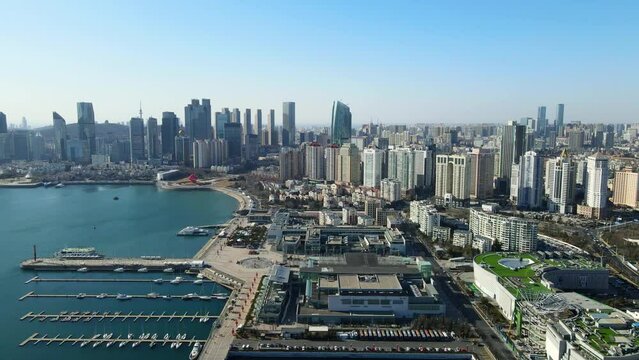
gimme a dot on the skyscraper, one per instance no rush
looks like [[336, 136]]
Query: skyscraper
[[272, 131], [233, 137], [3, 123], [340, 123], [452, 177], [597, 183], [401, 166], [197, 119], [512, 147], [626, 190], [526, 191], [59, 136], [257, 130], [136, 138], [348, 161], [247, 128], [315, 164], [372, 160], [288, 123], [576, 141], [290, 163], [152, 139], [561, 185], [86, 128], [331, 154], [542, 122], [170, 128], [482, 169], [221, 118], [559, 121]]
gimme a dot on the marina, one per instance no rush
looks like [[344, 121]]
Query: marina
[[90, 316], [190, 296], [109, 264], [100, 339], [131, 280]]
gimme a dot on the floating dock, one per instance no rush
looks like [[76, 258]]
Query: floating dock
[[35, 339], [109, 264], [188, 281], [86, 317], [32, 294]]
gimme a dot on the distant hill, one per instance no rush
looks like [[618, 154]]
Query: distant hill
[[101, 130]]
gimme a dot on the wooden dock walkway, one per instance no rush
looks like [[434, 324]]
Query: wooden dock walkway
[[32, 294], [36, 339], [86, 316]]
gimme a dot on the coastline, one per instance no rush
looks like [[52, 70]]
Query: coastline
[[79, 182]]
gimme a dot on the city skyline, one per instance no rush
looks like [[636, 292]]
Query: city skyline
[[445, 63]]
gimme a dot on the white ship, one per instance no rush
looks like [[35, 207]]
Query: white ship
[[193, 231], [78, 253]]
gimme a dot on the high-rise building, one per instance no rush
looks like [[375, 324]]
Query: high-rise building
[[183, 149], [391, 190], [372, 160], [247, 128], [235, 116], [401, 166], [597, 183], [331, 154], [559, 120], [288, 124], [482, 162], [59, 137], [452, 177], [136, 139], [221, 118], [513, 233], [290, 163], [512, 147], [270, 127], [526, 180], [36, 146], [348, 162], [3, 123], [315, 163], [561, 185], [86, 128], [626, 191], [170, 128], [340, 123], [258, 125], [233, 137], [576, 141], [424, 168], [201, 154], [152, 139], [197, 119], [542, 122]]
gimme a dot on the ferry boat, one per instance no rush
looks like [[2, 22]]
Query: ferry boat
[[193, 231], [195, 352], [79, 253]]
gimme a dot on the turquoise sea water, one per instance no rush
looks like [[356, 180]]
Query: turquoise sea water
[[142, 222]]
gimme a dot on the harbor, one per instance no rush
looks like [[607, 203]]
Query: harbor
[[190, 296], [110, 264], [133, 280], [86, 316], [99, 339]]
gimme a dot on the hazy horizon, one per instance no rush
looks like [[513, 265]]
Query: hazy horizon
[[391, 62]]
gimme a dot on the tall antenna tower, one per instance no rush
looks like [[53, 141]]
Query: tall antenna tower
[[141, 111]]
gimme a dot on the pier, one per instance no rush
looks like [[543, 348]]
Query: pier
[[107, 264], [86, 316], [32, 294], [187, 281], [35, 339]]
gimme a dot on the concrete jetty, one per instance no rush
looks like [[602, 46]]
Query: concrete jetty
[[41, 316], [107, 264], [35, 339], [32, 294], [88, 280]]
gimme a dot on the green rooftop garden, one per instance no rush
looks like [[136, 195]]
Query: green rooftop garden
[[492, 261]]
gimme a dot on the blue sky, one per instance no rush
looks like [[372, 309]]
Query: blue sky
[[392, 61]]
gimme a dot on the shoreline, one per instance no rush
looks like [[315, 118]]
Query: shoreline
[[77, 182]]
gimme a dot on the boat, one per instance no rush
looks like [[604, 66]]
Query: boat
[[55, 318], [204, 297], [130, 336], [79, 253], [220, 297], [122, 343], [152, 295], [198, 282], [143, 270], [46, 184], [84, 343], [81, 295], [95, 344], [158, 281], [204, 319], [119, 270], [101, 296], [190, 296], [193, 231], [83, 269], [195, 352], [59, 185], [123, 297], [179, 343], [110, 343], [168, 270], [177, 280], [166, 336], [136, 343], [154, 336]]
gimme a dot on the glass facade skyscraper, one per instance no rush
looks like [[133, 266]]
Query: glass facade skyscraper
[[197, 119], [288, 123], [170, 127], [340, 123], [86, 126]]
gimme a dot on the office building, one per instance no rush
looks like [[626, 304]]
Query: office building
[[183, 149], [59, 137], [372, 160], [340, 123], [576, 141], [258, 126], [597, 185], [3, 123], [561, 184], [136, 139], [542, 122], [391, 190], [626, 188], [315, 163], [559, 120], [526, 182], [152, 139], [270, 127], [170, 128], [512, 148], [348, 163], [86, 128], [424, 166], [233, 137], [288, 124], [197, 119], [221, 118], [452, 179], [236, 116], [512, 233], [482, 162], [331, 153], [291, 163], [401, 166], [247, 128]]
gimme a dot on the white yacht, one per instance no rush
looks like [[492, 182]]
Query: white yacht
[[168, 270], [198, 282], [143, 270], [193, 231], [83, 269], [177, 280], [123, 297], [119, 270], [195, 352]]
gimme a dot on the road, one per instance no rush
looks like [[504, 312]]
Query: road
[[612, 259], [451, 294]]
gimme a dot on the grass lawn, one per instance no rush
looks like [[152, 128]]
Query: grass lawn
[[492, 260]]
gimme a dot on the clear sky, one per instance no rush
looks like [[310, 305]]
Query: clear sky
[[392, 61]]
